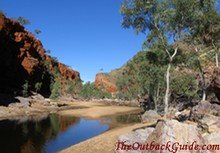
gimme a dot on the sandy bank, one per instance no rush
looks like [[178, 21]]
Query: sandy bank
[[96, 110]]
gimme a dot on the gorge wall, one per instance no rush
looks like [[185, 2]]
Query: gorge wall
[[106, 83], [24, 59]]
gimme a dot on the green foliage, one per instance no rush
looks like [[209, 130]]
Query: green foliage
[[56, 90], [90, 91], [166, 23], [46, 63], [25, 89], [56, 72], [55, 60], [37, 31], [23, 21], [73, 87], [38, 86], [184, 85]]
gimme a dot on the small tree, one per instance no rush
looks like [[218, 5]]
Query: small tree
[[73, 87], [25, 89], [23, 21], [38, 86], [56, 90], [37, 31]]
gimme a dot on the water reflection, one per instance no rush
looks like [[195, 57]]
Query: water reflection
[[48, 135]]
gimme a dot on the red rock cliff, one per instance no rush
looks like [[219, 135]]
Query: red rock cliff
[[106, 83], [23, 58]]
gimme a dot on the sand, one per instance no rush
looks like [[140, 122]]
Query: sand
[[96, 110]]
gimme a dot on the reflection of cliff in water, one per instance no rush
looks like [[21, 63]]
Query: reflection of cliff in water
[[31, 136]]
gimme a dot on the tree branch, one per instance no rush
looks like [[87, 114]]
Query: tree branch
[[174, 54]]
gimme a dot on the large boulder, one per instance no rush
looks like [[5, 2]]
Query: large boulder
[[210, 123], [171, 132], [166, 132], [23, 102], [213, 139], [150, 116], [204, 107], [138, 136]]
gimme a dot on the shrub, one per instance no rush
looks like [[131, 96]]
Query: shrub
[[56, 90], [25, 89]]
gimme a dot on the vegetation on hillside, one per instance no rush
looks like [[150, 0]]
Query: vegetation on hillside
[[89, 91], [167, 24]]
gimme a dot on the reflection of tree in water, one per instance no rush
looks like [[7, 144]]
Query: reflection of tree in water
[[31, 136], [127, 118]]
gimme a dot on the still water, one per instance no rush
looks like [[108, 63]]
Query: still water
[[52, 133], [47, 135]]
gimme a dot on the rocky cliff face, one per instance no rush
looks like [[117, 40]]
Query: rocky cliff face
[[23, 58], [106, 83]]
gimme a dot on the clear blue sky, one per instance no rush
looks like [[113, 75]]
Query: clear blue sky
[[84, 34]]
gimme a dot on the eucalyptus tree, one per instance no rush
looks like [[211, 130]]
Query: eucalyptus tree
[[164, 21]]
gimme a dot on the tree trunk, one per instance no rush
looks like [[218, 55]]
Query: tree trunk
[[216, 59], [167, 94], [203, 95], [157, 97]]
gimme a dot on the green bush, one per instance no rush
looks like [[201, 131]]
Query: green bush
[[56, 90], [25, 89], [90, 91], [38, 86]]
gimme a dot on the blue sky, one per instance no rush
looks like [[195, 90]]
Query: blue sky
[[86, 35]]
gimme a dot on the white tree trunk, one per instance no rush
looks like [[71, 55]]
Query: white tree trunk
[[167, 94], [203, 95], [157, 97], [216, 59]]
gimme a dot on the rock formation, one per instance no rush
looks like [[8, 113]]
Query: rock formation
[[106, 83], [23, 59]]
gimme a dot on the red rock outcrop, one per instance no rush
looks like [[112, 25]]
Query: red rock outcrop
[[23, 58], [106, 83], [67, 72]]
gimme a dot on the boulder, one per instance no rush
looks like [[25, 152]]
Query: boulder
[[150, 116], [166, 132], [23, 102], [129, 139], [210, 123], [204, 107], [38, 97], [213, 139], [172, 131]]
